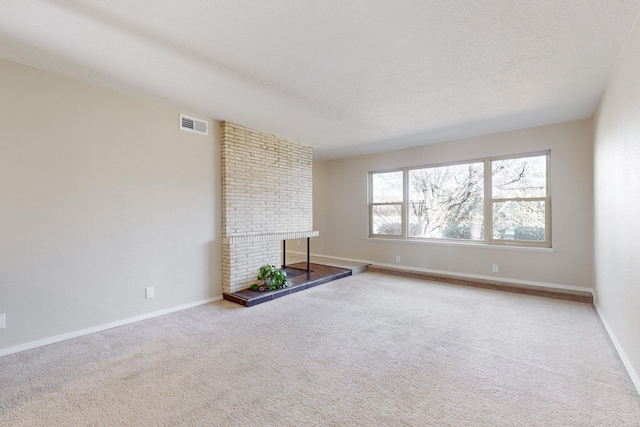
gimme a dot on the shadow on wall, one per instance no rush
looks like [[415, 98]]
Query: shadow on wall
[[215, 268]]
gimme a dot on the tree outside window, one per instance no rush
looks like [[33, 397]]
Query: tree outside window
[[447, 201]]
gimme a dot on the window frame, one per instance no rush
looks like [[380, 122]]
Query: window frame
[[402, 204], [546, 243], [488, 202]]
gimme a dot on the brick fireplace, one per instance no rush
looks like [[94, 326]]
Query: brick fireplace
[[267, 198]]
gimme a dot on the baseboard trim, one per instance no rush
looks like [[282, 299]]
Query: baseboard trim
[[75, 334], [635, 378], [550, 290]]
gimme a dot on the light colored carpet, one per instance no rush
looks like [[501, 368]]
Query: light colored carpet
[[369, 350]]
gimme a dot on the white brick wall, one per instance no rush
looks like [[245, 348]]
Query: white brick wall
[[266, 190]]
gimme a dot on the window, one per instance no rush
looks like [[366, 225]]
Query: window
[[509, 206], [519, 198], [386, 203]]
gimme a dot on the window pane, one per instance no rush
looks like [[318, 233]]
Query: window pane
[[447, 202], [514, 220], [387, 219], [386, 187], [523, 177]]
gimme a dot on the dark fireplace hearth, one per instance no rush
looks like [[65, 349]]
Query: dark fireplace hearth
[[299, 279]]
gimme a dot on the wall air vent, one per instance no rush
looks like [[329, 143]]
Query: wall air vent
[[193, 125]]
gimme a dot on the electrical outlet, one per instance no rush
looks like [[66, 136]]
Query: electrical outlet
[[496, 268], [2, 321], [149, 292], [397, 258]]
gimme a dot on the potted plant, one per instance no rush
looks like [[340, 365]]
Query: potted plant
[[272, 278]]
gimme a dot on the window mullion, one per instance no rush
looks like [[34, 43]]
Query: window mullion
[[520, 199], [405, 203], [488, 202]]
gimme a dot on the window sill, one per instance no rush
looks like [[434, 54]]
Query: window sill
[[463, 244]]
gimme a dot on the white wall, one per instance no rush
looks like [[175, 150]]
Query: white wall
[[340, 209], [617, 205], [101, 195]]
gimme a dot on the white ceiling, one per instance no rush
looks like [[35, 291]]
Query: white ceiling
[[346, 77]]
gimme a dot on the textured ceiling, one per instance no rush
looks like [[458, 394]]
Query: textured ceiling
[[346, 77]]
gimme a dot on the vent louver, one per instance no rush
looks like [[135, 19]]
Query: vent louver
[[193, 125]]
